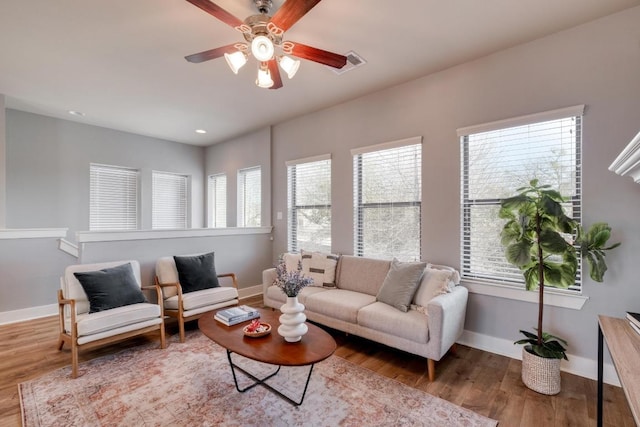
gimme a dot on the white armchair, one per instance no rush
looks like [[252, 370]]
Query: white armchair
[[81, 328], [186, 306]]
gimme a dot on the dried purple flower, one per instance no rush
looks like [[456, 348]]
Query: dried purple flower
[[291, 282]]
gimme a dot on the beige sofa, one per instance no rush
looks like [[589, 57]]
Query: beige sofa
[[351, 306]]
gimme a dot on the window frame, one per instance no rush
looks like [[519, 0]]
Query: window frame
[[293, 207], [241, 191], [212, 201], [509, 288], [186, 180], [96, 168], [359, 206]]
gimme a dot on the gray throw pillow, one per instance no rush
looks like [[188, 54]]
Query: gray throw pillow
[[401, 284], [196, 273], [110, 288]]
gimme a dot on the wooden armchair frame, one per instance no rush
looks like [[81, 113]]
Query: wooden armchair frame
[[179, 313], [71, 337]]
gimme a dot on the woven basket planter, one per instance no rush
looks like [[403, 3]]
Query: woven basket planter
[[540, 374]]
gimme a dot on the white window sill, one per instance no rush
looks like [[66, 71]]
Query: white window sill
[[112, 236], [33, 233], [557, 299]]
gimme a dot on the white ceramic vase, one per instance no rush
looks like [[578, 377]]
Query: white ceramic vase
[[292, 326]]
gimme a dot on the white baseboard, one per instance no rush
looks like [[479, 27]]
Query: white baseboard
[[30, 313], [576, 365], [250, 292]]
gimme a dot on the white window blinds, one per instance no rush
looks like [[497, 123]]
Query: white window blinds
[[387, 200], [309, 204], [170, 201], [497, 160], [249, 197], [113, 198], [218, 201]]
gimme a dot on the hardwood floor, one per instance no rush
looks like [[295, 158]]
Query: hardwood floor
[[482, 382]]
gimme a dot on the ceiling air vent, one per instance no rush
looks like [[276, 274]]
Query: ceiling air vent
[[353, 61]]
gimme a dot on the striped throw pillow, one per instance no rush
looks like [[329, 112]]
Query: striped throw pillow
[[320, 267]]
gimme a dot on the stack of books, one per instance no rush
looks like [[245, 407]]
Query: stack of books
[[634, 321], [234, 315]]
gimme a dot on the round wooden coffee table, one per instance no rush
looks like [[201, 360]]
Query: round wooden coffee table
[[316, 345]]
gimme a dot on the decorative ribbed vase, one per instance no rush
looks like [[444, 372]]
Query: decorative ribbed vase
[[540, 374], [292, 326]]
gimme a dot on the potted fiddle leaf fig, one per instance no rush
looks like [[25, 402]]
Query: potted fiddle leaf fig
[[540, 239]]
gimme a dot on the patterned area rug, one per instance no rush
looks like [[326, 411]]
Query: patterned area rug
[[191, 385]]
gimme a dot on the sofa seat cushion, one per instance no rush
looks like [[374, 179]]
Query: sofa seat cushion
[[275, 293], [338, 303], [202, 298], [382, 317], [94, 323]]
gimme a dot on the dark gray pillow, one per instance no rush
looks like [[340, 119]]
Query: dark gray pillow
[[196, 272], [401, 284], [110, 287]]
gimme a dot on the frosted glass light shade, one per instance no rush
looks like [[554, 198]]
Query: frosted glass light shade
[[264, 79], [289, 65], [235, 60], [262, 48]]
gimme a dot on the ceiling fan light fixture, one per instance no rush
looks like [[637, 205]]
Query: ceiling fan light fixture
[[262, 48], [264, 79], [289, 65], [235, 60]]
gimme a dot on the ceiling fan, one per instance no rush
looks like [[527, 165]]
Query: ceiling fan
[[263, 36]]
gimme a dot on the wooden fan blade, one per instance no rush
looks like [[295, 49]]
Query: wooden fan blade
[[197, 58], [217, 12], [291, 11], [275, 74], [318, 55]]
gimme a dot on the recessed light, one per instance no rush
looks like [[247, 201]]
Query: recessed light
[[76, 113], [201, 131]]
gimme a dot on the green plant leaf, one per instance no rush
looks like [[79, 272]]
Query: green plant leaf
[[518, 253], [532, 277], [552, 242]]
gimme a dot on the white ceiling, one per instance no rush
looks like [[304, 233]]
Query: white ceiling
[[121, 62]]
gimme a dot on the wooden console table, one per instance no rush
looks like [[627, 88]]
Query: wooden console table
[[624, 346]]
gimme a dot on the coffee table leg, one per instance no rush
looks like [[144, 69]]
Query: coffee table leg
[[257, 380], [261, 381]]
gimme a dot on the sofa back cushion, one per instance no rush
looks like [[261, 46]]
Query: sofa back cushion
[[360, 274]]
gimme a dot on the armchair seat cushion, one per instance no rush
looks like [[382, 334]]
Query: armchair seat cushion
[[411, 325], [196, 299], [101, 321]]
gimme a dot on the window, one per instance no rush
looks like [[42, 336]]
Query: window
[[387, 199], [113, 198], [169, 205], [218, 201], [249, 197], [309, 204], [497, 159]]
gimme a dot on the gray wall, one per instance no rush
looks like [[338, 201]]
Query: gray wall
[[31, 270], [253, 149], [3, 162], [246, 255], [48, 169], [597, 64]]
